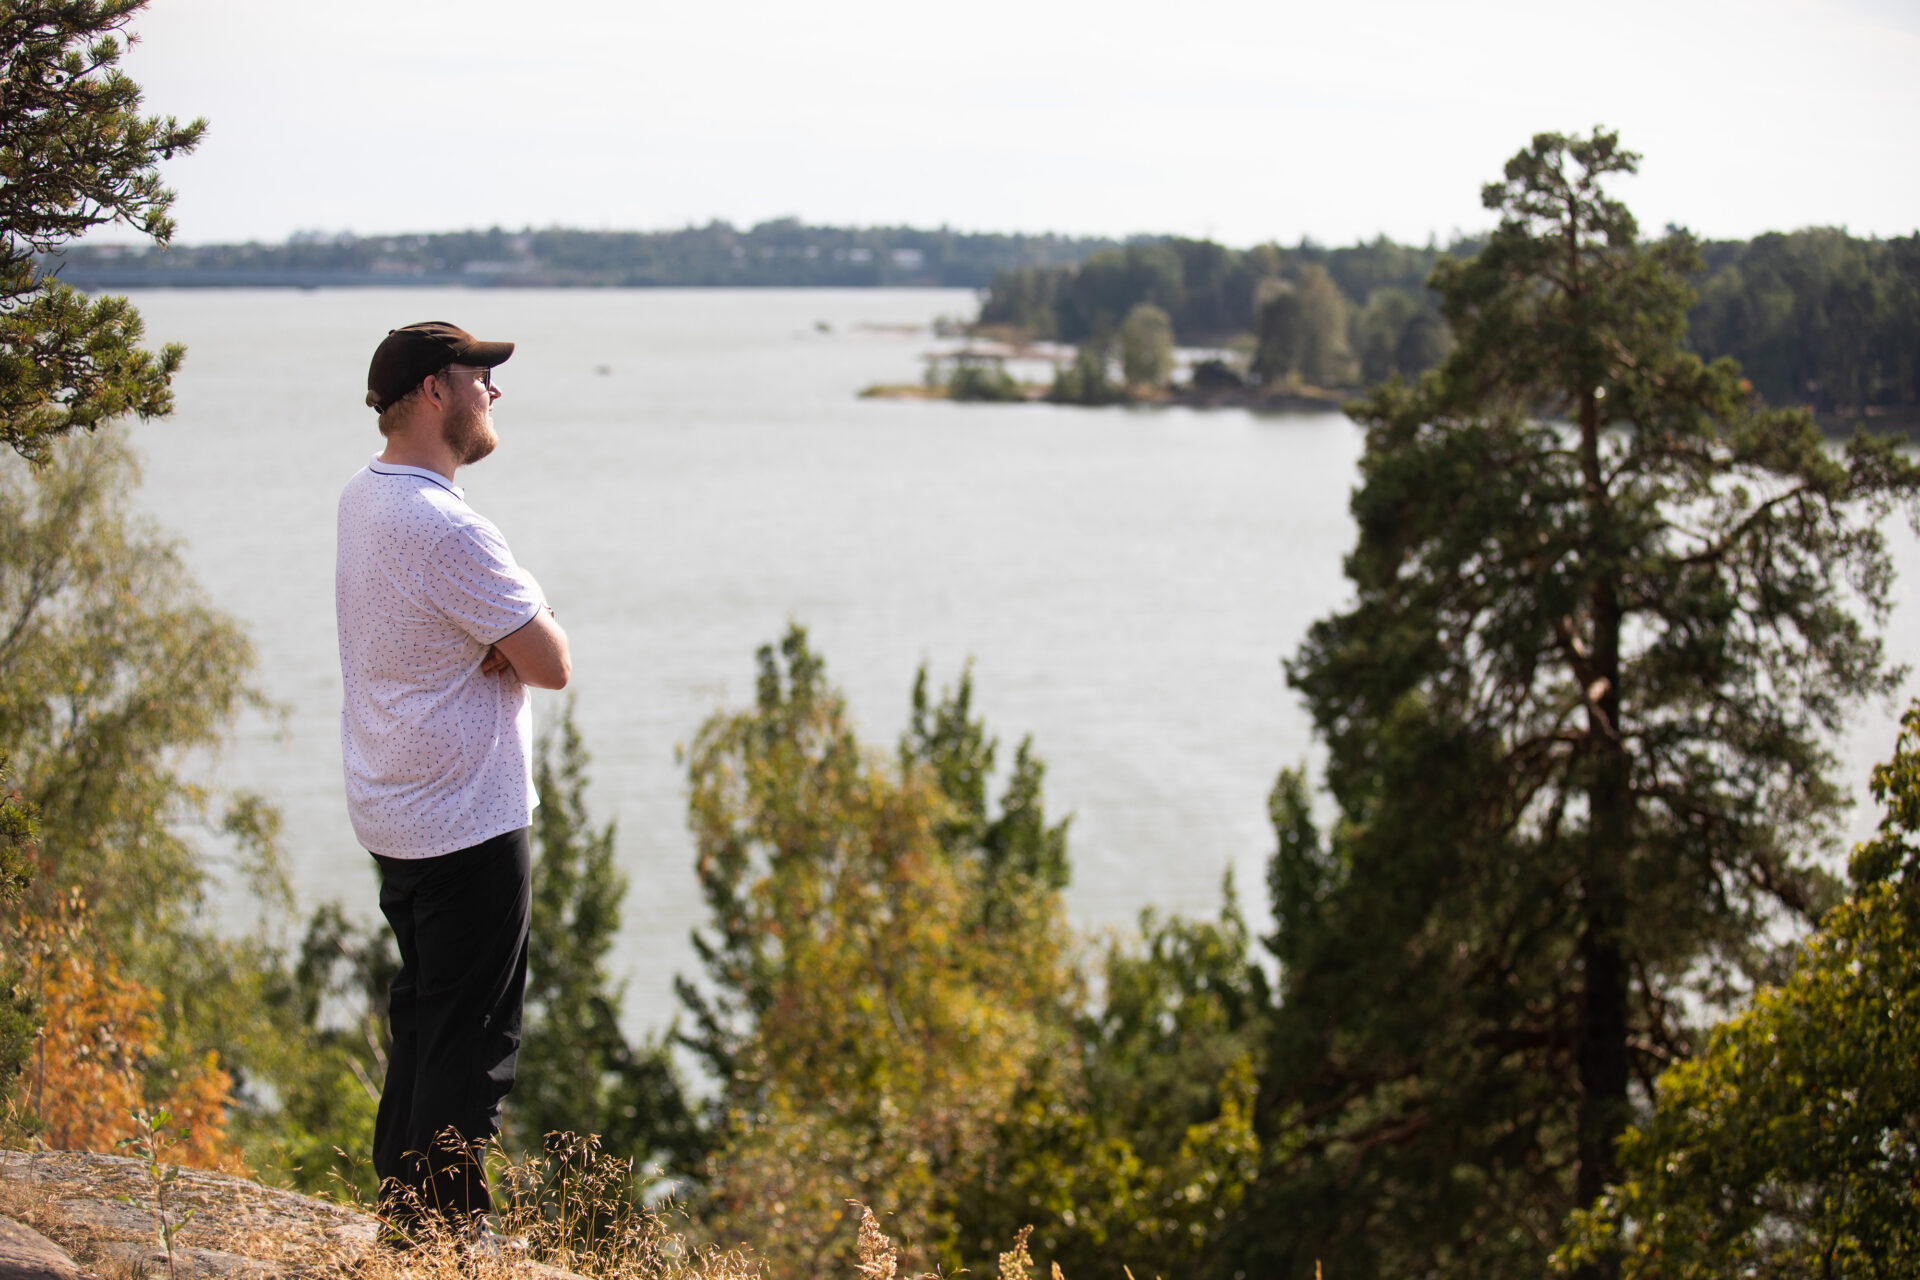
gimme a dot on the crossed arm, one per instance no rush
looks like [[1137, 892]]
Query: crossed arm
[[537, 653]]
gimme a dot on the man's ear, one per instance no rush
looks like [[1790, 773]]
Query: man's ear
[[432, 391]]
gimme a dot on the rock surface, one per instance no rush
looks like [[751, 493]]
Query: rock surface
[[74, 1215], [25, 1254], [96, 1213]]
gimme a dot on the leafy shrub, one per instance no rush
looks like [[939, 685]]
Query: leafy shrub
[[1087, 380], [986, 381]]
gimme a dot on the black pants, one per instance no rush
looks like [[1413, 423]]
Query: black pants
[[461, 922]]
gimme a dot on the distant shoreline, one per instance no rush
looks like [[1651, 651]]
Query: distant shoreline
[[106, 281], [1305, 400], [1316, 400], [784, 253]]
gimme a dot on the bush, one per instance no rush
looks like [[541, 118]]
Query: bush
[[983, 380], [1146, 347], [1087, 380]]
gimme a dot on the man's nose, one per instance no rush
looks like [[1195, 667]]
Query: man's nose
[[493, 392]]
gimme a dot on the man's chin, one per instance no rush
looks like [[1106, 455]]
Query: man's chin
[[475, 445]]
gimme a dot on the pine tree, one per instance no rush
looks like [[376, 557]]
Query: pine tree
[[1608, 615], [75, 153]]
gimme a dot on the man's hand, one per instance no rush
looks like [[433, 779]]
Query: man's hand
[[494, 662]]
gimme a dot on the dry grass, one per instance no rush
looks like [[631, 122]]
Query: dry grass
[[570, 1210], [580, 1211]]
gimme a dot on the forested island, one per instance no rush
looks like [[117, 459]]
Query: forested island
[[1815, 317]]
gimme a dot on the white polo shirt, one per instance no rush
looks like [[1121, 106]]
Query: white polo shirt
[[438, 756]]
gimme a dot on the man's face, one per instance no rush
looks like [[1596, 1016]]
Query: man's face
[[468, 428]]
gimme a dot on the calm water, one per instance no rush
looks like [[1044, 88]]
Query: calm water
[[687, 471]]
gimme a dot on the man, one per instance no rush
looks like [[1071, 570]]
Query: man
[[441, 633]]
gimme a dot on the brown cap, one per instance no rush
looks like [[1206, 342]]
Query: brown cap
[[406, 356]]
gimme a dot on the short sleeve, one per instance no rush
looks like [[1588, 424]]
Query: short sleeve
[[472, 579]]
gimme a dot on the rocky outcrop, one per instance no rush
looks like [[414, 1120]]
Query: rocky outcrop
[[25, 1254], [65, 1215]]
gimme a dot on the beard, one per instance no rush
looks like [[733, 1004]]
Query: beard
[[469, 433]]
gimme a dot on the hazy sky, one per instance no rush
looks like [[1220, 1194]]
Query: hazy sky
[[1246, 121]]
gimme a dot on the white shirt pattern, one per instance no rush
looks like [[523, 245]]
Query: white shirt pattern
[[438, 756]]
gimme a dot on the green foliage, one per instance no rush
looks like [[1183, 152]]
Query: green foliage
[[19, 1030], [1791, 1146], [1178, 1013], [1111, 283], [1397, 333], [1211, 293], [1816, 317], [1136, 1148], [884, 962], [1146, 347], [111, 667], [1378, 329], [1577, 726], [1302, 333], [1279, 338], [75, 153], [1023, 298], [153, 1136], [18, 832], [19, 1010], [1322, 357], [577, 1072], [1089, 378], [1100, 1203], [318, 1035], [893, 1016], [982, 379], [1013, 855]]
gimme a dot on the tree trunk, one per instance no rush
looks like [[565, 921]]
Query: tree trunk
[[1601, 1045]]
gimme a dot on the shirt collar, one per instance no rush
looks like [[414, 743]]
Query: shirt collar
[[397, 469]]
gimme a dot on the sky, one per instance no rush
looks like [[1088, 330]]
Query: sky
[[1242, 121]]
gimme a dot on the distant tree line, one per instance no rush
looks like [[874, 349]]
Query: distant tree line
[[783, 252], [1815, 317]]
